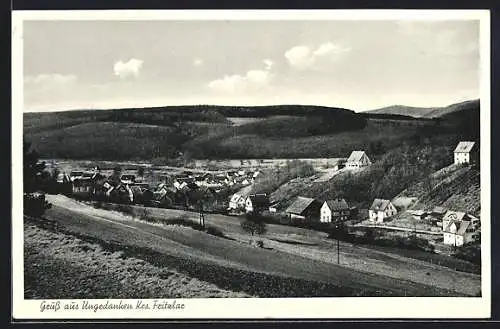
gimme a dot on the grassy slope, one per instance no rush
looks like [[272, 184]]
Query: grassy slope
[[455, 187], [62, 266]]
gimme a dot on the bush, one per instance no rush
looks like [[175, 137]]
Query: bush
[[259, 243], [35, 204], [470, 253], [214, 231]]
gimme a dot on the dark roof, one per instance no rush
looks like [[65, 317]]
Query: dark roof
[[465, 146], [259, 199], [337, 204], [300, 205], [379, 204]]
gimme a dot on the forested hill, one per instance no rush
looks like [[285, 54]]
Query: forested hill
[[426, 112], [206, 131]]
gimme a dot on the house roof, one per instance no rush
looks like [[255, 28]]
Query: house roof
[[300, 205], [356, 156], [337, 204], [379, 204], [259, 199], [464, 146], [439, 210], [462, 227], [453, 216]]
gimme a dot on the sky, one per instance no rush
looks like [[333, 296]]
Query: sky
[[359, 65]]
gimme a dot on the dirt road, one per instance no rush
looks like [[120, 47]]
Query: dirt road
[[177, 245]]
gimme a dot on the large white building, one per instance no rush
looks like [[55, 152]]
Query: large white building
[[464, 152], [358, 159]]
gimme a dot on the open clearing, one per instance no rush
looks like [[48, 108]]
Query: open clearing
[[282, 269]]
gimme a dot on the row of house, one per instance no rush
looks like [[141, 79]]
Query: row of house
[[329, 211]]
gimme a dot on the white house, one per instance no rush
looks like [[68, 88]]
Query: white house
[[336, 210], [458, 233], [358, 159], [464, 152], [237, 201], [380, 210]]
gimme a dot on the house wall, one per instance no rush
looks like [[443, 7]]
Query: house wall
[[462, 157], [248, 205], [453, 239], [326, 214]]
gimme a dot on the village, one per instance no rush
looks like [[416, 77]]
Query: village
[[230, 192]]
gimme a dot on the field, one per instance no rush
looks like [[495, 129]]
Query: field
[[294, 262], [55, 261]]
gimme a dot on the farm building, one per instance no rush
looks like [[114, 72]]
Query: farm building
[[74, 174], [418, 214], [82, 187], [336, 210], [458, 233], [257, 203], [358, 159], [381, 209], [465, 152], [438, 212], [304, 208]]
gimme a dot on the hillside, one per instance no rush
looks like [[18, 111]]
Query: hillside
[[454, 187], [426, 112], [225, 132]]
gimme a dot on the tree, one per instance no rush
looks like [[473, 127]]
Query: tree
[[255, 225], [32, 169]]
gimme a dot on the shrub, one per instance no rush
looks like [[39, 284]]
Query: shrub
[[35, 204], [214, 231]]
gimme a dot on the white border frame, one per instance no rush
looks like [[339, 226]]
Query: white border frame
[[261, 308]]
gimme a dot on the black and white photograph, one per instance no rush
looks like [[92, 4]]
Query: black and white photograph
[[231, 158]]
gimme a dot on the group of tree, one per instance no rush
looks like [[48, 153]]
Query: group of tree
[[35, 179]]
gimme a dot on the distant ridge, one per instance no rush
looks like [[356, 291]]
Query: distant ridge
[[426, 112]]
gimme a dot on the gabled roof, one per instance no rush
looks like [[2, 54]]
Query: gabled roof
[[356, 156], [465, 147], [300, 205], [337, 205], [462, 227], [453, 216], [379, 204]]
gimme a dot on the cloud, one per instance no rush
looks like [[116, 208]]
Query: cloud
[[302, 57], [50, 79], [269, 64], [128, 69], [253, 80], [197, 62]]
